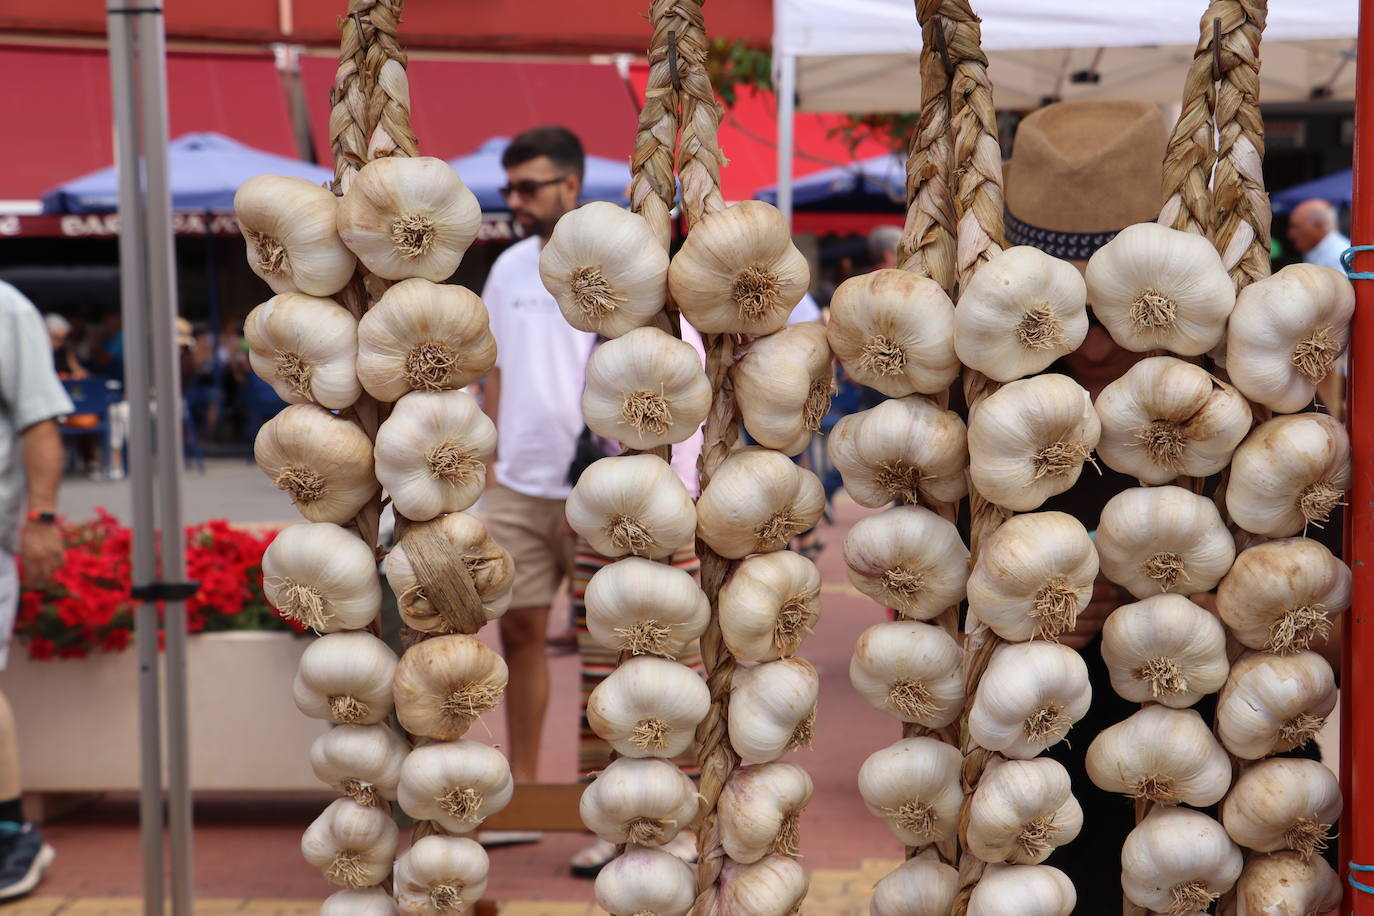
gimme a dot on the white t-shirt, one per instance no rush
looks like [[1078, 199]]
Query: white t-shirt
[[542, 361]]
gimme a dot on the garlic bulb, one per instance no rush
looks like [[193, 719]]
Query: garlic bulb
[[443, 684], [646, 880], [1162, 755], [783, 384], [918, 887], [457, 784], [441, 874], [1021, 811], [467, 542], [773, 709], [353, 845], [1158, 288], [1283, 803], [288, 224], [738, 271], [632, 504], [1028, 698], [431, 453], [1033, 576], [345, 678], [409, 217], [321, 576], [322, 461], [368, 901], [645, 608], [1285, 884], [756, 502], [911, 671], [1280, 596], [769, 605], [1289, 473], [305, 348], [1021, 311], [423, 336], [1023, 890], [641, 800], [645, 389], [913, 786], [1274, 703], [1286, 333], [759, 811], [649, 707], [362, 762], [1028, 440], [905, 449], [908, 558], [1163, 539], [1165, 418], [774, 886], [1166, 650], [894, 332], [605, 268], [1177, 861]]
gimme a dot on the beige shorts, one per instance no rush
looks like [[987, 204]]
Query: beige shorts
[[532, 529]]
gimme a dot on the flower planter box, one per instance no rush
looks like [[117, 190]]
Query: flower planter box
[[78, 719]]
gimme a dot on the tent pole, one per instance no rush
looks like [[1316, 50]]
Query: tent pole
[[134, 296], [787, 108]]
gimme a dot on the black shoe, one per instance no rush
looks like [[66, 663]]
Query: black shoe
[[23, 859]]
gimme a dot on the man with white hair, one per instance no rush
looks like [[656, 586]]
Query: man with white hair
[[1312, 230], [882, 246]]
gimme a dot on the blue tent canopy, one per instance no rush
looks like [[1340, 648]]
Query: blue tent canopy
[[1335, 188], [605, 179], [204, 171], [877, 184]]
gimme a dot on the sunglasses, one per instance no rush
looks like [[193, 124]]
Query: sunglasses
[[529, 187]]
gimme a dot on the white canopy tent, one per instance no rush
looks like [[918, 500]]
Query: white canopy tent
[[861, 55]]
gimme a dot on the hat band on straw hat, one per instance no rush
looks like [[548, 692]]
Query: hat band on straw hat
[[1069, 246]]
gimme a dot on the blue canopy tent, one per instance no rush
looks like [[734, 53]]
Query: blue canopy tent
[[877, 184], [1336, 189], [604, 179]]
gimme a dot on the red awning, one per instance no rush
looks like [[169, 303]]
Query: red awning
[[64, 108], [456, 105]]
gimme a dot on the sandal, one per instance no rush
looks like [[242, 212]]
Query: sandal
[[588, 861]]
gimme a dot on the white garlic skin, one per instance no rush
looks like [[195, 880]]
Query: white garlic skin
[[908, 558], [1165, 649], [368, 901], [644, 879], [644, 607], [773, 886], [912, 671], [1283, 803], [901, 450], [322, 461], [1153, 540], [645, 389], [1028, 698], [1021, 311], [756, 502], [1275, 320], [321, 562], [306, 349], [1281, 596], [1274, 703], [605, 268], [1165, 418], [649, 707], [894, 332], [918, 887], [913, 786], [1028, 440], [640, 800], [1021, 811], [345, 678], [1023, 890], [296, 216], [768, 605], [1033, 577], [758, 810], [632, 504], [1290, 472], [442, 685], [440, 874], [457, 784], [489, 564], [353, 845], [1172, 848], [1165, 755], [1284, 884], [431, 453], [360, 761], [771, 709], [783, 384]]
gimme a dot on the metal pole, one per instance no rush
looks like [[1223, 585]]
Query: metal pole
[[787, 107], [134, 295], [162, 311]]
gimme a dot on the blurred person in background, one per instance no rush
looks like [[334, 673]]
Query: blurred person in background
[[64, 359], [1312, 230], [882, 246]]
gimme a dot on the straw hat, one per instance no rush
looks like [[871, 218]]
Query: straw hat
[[1080, 172]]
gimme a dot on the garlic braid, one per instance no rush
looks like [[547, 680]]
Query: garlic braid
[[699, 155], [653, 188], [1191, 153]]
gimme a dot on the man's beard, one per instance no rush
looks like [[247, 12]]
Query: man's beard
[[534, 226]]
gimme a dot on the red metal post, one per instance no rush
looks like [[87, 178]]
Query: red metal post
[[1357, 670]]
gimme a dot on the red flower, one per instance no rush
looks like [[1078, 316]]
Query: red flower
[[40, 648]]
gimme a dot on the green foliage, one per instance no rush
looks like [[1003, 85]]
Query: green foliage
[[733, 65]]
